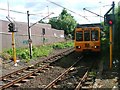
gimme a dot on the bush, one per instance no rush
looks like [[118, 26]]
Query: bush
[[63, 45], [23, 53]]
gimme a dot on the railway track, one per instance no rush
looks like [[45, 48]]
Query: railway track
[[29, 71], [85, 80]]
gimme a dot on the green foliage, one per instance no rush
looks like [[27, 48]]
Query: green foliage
[[64, 22], [45, 50], [63, 45], [41, 51], [58, 46], [92, 73], [23, 53], [117, 32]]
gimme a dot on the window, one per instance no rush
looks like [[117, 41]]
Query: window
[[94, 35], [87, 35], [79, 36]]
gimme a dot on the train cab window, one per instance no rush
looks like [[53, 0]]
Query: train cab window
[[79, 36], [94, 35], [87, 35]]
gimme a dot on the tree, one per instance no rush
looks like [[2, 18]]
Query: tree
[[64, 22], [117, 31]]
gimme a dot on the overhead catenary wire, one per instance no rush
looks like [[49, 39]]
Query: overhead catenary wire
[[67, 9], [13, 11], [19, 11]]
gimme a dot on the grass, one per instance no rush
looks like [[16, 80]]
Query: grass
[[45, 50]]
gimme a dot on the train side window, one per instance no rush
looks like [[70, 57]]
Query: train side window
[[87, 35], [94, 35], [79, 36]]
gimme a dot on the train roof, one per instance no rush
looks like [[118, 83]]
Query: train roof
[[90, 25]]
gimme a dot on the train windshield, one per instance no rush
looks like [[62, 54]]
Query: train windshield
[[79, 36], [87, 35], [94, 35]]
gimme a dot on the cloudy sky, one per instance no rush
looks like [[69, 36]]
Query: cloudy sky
[[41, 8]]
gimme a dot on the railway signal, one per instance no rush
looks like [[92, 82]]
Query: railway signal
[[11, 27], [43, 33], [109, 20]]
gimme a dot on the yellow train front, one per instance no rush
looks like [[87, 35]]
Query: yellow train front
[[87, 39]]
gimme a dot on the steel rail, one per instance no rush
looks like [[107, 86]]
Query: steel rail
[[60, 76], [21, 78], [35, 70], [82, 80], [46, 59]]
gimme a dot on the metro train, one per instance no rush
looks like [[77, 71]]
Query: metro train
[[87, 38]]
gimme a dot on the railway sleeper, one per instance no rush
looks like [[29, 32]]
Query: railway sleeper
[[31, 66], [32, 69], [88, 83], [89, 79], [26, 71], [18, 73], [38, 73], [17, 84], [31, 77], [50, 66], [86, 88], [46, 68], [6, 80], [12, 76], [41, 71], [24, 80], [56, 86]]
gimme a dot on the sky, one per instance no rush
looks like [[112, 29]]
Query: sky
[[39, 9]]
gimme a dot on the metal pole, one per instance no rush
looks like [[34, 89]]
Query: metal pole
[[112, 35], [113, 27], [8, 8], [14, 49], [110, 47], [29, 35], [100, 11]]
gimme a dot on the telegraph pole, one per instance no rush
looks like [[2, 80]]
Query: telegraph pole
[[29, 35], [29, 31]]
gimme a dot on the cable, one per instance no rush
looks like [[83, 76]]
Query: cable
[[67, 9], [13, 11], [18, 11]]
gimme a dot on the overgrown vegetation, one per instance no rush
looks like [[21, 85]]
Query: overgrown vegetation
[[62, 45], [45, 50]]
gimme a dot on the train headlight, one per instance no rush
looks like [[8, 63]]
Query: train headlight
[[78, 47], [95, 46]]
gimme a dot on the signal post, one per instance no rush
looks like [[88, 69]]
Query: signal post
[[109, 20], [12, 29], [111, 47]]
